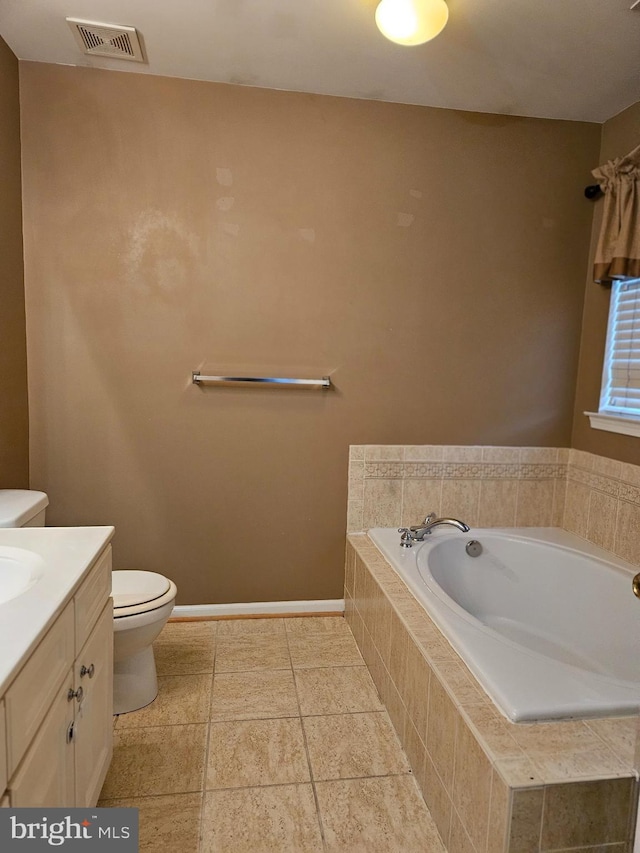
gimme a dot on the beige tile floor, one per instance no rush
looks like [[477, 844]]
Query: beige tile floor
[[267, 735]]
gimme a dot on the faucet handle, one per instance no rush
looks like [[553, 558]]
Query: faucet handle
[[431, 517], [406, 539]]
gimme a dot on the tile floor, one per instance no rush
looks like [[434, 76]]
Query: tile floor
[[267, 735]]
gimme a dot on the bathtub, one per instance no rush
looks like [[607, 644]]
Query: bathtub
[[546, 621]]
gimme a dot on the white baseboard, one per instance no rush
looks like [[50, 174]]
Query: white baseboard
[[258, 608]]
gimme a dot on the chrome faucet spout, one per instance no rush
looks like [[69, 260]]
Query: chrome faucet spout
[[418, 533]]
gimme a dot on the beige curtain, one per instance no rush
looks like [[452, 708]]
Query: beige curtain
[[618, 251]]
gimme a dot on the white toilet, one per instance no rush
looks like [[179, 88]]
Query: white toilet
[[142, 603]]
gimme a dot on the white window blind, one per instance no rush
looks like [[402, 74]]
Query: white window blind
[[621, 375]]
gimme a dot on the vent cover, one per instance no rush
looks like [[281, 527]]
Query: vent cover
[[107, 40]]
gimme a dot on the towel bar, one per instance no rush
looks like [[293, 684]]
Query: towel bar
[[324, 382]]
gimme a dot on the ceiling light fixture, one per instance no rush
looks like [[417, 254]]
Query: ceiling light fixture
[[410, 22]]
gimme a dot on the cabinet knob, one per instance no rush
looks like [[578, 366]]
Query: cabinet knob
[[88, 670], [75, 694], [70, 732]]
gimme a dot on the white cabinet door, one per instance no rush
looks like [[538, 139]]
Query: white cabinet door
[[45, 774], [37, 684], [94, 714]]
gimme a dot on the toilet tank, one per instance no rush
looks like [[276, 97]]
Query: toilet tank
[[22, 508]]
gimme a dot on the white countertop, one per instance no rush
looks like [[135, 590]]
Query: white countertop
[[67, 553]]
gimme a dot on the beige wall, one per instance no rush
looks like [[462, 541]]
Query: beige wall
[[432, 261], [619, 136], [14, 428]]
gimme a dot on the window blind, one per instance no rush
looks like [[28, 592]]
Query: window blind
[[621, 374]]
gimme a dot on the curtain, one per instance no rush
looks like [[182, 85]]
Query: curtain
[[618, 250]]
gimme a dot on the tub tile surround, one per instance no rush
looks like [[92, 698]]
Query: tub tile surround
[[592, 496], [529, 770], [490, 785], [486, 486]]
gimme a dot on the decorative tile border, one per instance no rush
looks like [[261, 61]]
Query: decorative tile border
[[392, 485], [603, 503], [595, 497], [629, 493], [615, 487], [462, 471]]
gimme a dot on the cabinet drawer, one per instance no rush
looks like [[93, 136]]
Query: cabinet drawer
[[3, 748], [92, 597], [34, 688]]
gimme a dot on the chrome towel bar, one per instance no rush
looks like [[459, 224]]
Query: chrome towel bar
[[324, 382]]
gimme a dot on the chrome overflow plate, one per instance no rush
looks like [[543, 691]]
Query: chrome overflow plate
[[473, 548]]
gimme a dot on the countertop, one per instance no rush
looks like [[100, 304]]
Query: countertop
[[67, 553]]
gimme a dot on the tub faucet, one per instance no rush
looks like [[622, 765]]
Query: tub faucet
[[409, 535]]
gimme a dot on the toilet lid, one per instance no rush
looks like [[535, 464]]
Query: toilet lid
[[130, 587]]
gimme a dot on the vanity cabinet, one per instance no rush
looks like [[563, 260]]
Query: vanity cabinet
[[58, 708], [3, 749]]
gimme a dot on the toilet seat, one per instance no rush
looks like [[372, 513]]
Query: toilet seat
[[139, 592]]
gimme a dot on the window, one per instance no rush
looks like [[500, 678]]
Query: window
[[619, 409]]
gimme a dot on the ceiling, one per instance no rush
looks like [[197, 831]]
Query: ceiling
[[563, 59]]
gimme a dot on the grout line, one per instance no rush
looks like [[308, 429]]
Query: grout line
[[509, 816], [236, 617], [152, 796], [517, 501], [307, 753], [160, 726], [456, 726], [462, 824], [309, 781], [586, 532], [178, 674], [287, 669], [614, 546], [214, 640], [606, 742], [273, 719], [254, 669], [491, 796], [542, 816]]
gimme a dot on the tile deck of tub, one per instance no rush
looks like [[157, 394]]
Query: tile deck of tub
[[267, 735], [491, 785], [527, 754]]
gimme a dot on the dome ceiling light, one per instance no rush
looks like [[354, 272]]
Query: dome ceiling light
[[410, 22]]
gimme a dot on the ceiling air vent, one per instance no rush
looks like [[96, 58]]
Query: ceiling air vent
[[107, 40]]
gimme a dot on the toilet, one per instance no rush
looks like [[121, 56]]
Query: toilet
[[142, 603]]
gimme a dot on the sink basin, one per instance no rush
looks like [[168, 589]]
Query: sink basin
[[19, 570]]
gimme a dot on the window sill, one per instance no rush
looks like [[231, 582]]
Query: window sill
[[614, 423]]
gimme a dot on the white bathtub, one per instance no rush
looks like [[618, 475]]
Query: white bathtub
[[546, 622]]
